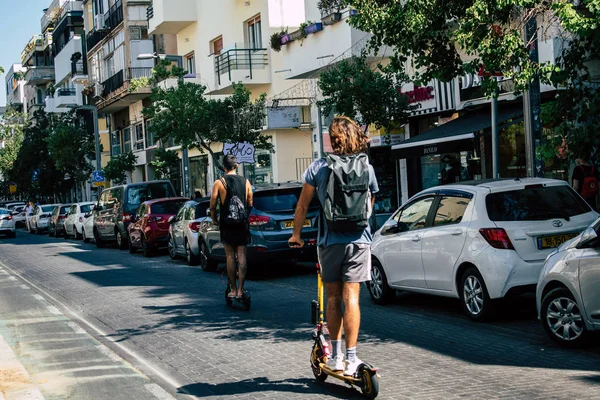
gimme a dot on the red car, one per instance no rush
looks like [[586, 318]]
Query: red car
[[149, 228]]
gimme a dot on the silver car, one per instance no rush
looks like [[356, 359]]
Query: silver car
[[40, 218], [185, 230], [568, 295]]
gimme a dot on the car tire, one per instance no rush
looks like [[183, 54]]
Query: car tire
[[76, 233], [379, 289], [171, 248], [99, 242], [146, 250], [121, 243], [562, 318], [474, 296], [190, 257], [51, 232], [206, 263], [85, 238], [37, 230]]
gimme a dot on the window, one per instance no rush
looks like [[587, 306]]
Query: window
[[254, 32], [127, 140], [139, 137], [450, 210], [537, 203], [281, 200], [73, 210], [150, 137], [170, 207], [190, 214], [136, 195], [201, 209], [190, 63], [216, 45], [115, 143], [86, 208], [414, 216]]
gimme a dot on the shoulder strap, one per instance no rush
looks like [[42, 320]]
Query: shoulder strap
[[224, 182]]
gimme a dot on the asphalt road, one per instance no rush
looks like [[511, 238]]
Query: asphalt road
[[169, 322]]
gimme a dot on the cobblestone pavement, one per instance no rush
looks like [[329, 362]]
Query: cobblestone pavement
[[175, 317]]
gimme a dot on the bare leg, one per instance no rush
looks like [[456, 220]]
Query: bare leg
[[334, 309], [242, 268], [351, 313], [231, 268]]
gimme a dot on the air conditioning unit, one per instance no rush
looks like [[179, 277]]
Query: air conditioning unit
[[99, 22]]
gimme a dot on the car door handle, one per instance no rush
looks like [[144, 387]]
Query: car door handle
[[457, 232], [416, 238]]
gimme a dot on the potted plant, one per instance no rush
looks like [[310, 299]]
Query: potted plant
[[276, 40], [313, 27], [51, 90], [330, 11]]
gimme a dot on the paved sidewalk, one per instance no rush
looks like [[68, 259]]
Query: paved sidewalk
[[44, 355]]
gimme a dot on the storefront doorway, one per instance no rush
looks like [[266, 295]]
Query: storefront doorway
[[198, 175], [447, 168]]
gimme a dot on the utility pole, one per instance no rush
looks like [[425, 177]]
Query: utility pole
[[532, 108], [495, 138]]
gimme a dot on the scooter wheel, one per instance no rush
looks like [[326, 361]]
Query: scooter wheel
[[315, 359], [369, 382]]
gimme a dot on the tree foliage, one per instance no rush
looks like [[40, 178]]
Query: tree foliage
[[184, 114], [163, 70], [12, 128], [164, 161], [115, 170], [355, 90]]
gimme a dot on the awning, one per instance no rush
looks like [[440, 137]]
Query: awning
[[456, 135]]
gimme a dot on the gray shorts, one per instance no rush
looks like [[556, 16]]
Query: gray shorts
[[345, 263]]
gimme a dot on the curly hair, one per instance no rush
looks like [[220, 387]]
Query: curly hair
[[347, 137]]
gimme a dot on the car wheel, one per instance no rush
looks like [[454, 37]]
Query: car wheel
[[132, 250], [37, 230], [189, 256], [206, 263], [171, 247], [562, 318], [85, 238], [146, 250], [51, 231], [379, 289], [76, 233], [99, 242], [121, 243], [474, 295]]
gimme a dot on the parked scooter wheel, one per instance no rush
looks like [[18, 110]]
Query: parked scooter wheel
[[315, 359], [369, 381]]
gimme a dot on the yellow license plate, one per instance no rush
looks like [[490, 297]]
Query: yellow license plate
[[290, 224], [547, 242]]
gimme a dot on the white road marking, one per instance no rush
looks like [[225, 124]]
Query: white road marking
[[38, 297], [54, 310], [159, 392], [16, 389], [76, 328]]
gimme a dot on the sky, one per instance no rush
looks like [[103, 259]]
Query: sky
[[20, 21]]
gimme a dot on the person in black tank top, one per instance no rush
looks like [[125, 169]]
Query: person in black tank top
[[233, 193]]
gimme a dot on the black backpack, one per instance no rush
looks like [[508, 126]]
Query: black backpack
[[347, 205], [234, 209]]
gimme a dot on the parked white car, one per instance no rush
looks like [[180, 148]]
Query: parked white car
[[478, 242], [18, 213], [40, 218], [88, 227], [7, 223], [568, 292], [74, 221]]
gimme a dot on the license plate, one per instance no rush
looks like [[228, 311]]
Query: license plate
[[548, 242], [290, 224]]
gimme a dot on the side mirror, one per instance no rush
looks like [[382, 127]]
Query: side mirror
[[392, 227], [587, 238], [171, 219]]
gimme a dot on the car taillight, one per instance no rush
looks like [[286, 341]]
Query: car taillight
[[9, 217], [62, 217], [126, 217], [80, 219], [497, 238], [154, 219], [259, 220], [195, 227]]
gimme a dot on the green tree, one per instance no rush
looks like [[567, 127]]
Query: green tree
[[1, 70], [116, 168], [164, 161], [355, 90], [184, 114], [12, 128]]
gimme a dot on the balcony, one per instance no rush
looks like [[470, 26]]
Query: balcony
[[244, 64], [39, 75], [172, 82], [35, 44], [114, 16], [57, 10], [65, 96], [165, 18], [62, 61], [115, 90], [94, 37], [78, 73]]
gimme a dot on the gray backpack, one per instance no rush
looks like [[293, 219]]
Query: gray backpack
[[347, 205]]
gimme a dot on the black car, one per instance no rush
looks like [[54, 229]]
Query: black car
[[116, 207]]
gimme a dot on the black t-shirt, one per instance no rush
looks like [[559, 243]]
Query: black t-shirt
[[583, 171]]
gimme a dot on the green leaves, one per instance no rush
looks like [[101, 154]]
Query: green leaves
[[116, 168], [164, 161]]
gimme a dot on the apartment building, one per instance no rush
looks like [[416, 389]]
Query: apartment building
[[227, 42], [38, 59], [117, 33], [15, 87]]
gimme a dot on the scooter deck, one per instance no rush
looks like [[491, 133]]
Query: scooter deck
[[340, 375]]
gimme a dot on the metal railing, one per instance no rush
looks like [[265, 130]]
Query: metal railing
[[242, 57], [33, 44], [113, 83], [150, 12], [94, 37], [139, 72], [114, 16], [66, 92], [77, 67]]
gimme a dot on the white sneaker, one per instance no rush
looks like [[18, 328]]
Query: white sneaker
[[335, 364], [351, 367]]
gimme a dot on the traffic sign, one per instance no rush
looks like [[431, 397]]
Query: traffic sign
[[13, 188], [98, 176], [98, 184]]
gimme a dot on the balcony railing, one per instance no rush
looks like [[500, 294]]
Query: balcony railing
[[113, 83], [40, 74], [62, 92], [149, 12], [55, 13], [136, 73], [36, 43], [77, 68], [114, 16], [242, 57], [94, 37]]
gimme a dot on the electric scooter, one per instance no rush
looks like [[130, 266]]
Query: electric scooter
[[245, 301], [366, 377]]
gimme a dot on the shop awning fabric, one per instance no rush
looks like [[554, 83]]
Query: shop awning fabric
[[456, 135]]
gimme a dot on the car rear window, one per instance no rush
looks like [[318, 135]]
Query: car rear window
[[170, 207], [201, 209], [535, 204], [138, 194], [47, 208], [3, 211], [64, 209], [280, 200], [86, 208]]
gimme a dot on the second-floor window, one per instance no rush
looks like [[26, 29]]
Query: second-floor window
[[254, 32], [190, 63], [216, 45]]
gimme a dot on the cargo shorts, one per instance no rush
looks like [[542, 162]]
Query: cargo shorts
[[345, 262]]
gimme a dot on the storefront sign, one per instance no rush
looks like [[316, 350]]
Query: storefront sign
[[283, 117], [470, 88], [244, 152], [386, 140], [430, 150], [419, 94]]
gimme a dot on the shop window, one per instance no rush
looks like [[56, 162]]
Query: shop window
[[450, 210], [449, 168], [384, 165], [262, 171], [511, 151]]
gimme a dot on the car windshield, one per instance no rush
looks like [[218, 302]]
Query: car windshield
[[170, 207], [64, 209], [535, 204], [201, 209], [280, 200], [86, 208], [47, 209], [138, 194]]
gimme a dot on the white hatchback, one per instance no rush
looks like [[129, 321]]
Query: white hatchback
[[7, 223], [75, 219], [477, 242]]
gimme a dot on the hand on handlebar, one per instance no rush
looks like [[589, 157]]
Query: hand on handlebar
[[296, 242]]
